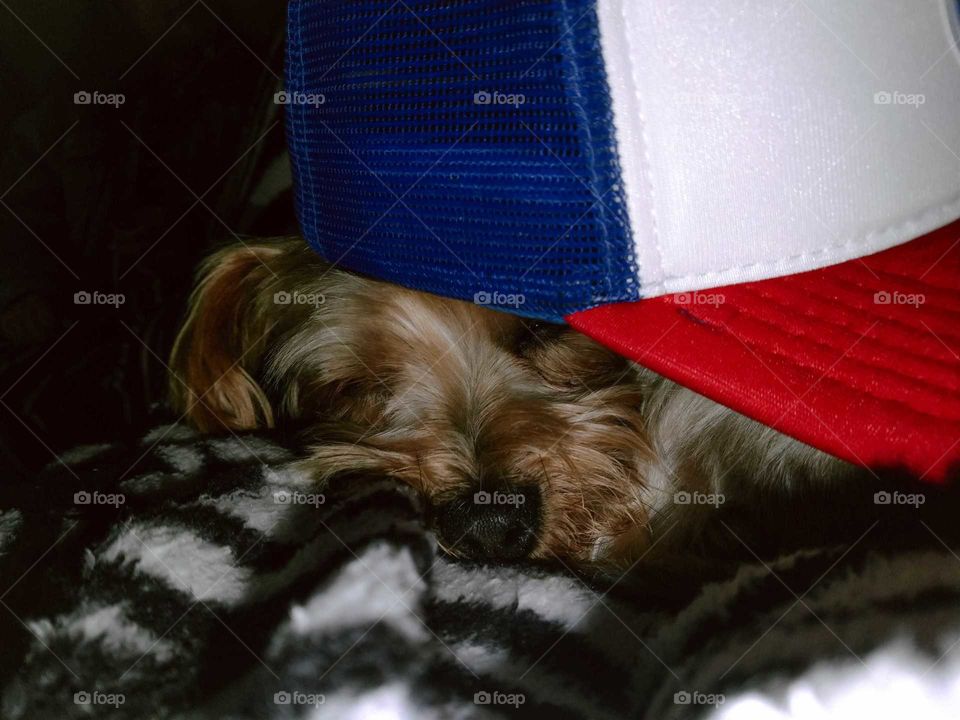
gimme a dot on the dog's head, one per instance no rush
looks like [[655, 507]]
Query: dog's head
[[525, 438]]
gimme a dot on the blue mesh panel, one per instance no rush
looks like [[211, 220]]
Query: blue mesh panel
[[460, 148]]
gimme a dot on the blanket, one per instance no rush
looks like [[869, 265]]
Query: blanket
[[179, 576]]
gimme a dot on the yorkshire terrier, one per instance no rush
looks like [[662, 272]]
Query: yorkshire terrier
[[526, 439]]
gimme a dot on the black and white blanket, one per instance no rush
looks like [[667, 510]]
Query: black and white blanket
[[193, 577]]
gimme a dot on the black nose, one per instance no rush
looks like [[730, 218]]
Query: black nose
[[501, 524]]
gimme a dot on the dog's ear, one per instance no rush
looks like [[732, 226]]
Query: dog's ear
[[219, 350]]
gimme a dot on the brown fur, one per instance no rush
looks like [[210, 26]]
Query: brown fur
[[452, 398]]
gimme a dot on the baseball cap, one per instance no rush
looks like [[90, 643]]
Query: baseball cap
[[756, 199]]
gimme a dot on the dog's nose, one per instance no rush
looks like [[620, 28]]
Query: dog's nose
[[494, 524]]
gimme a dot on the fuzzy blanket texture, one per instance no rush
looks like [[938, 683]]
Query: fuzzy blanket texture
[[180, 576]]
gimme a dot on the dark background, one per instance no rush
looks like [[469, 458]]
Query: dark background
[[105, 199]]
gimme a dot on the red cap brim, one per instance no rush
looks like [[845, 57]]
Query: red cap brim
[[860, 359]]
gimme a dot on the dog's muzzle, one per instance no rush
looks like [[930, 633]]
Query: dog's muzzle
[[498, 524]]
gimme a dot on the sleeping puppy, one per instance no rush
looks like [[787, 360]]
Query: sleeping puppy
[[526, 439]]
